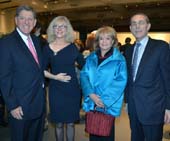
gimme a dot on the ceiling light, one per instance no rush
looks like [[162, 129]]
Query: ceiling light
[[45, 6], [34, 2]]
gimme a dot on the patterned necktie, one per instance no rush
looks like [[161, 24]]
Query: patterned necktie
[[32, 50], [135, 60]]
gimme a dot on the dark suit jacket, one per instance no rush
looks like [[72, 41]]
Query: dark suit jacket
[[21, 79], [150, 92]]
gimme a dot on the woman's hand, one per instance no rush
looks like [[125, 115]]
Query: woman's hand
[[97, 100], [62, 77]]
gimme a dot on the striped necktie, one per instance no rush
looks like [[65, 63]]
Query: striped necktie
[[135, 60], [32, 50]]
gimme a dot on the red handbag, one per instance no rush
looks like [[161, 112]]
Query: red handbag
[[98, 123]]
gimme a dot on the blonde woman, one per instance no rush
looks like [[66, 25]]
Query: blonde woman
[[64, 93]]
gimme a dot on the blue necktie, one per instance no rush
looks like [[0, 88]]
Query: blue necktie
[[135, 59]]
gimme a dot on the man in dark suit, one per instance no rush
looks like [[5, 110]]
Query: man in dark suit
[[22, 79], [148, 87]]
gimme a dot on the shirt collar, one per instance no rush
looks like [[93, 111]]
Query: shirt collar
[[23, 36], [144, 41], [107, 54]]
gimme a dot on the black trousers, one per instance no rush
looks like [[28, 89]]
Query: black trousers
[[142, 132], [27, 130], [102, 138]]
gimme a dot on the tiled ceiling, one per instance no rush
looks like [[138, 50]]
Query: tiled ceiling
[[87, 15]]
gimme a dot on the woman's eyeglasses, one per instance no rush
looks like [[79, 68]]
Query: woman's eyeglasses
[[59, 26]]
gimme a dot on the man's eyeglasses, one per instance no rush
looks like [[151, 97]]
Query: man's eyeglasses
[[140, 23]]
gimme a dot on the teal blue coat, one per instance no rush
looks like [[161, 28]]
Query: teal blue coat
[[108, 80]]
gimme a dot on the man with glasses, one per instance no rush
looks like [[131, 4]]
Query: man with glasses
[[148, 91]]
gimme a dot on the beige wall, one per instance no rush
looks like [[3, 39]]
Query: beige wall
[[7, 25], [7, 21], [156, 35], [2, 24]]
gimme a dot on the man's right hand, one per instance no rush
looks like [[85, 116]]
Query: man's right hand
[[167, 116], [17, 113]]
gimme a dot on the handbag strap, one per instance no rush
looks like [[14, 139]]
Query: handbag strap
[[103, 110]]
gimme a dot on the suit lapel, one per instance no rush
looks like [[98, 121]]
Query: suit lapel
[[147, 53], [25, 50], [129, 57]]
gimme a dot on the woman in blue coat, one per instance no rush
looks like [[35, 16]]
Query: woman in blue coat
[[103, 78]]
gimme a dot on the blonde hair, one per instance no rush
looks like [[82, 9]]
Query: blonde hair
[[69, 33], [106, 30]]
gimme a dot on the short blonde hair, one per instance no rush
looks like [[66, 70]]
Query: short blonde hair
[[69, 33], [106, 30]]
